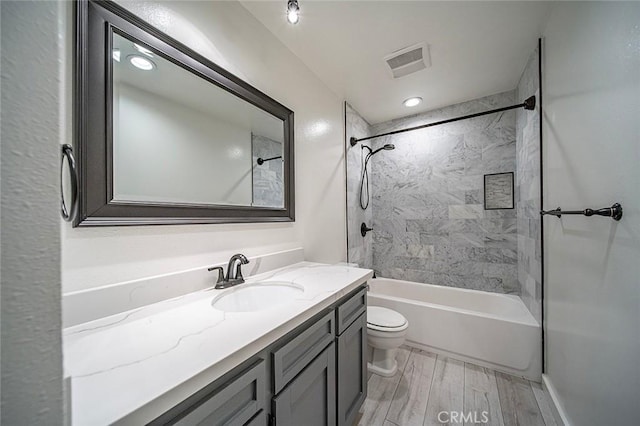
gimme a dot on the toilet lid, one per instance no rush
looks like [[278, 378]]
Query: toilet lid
[[385, 318]]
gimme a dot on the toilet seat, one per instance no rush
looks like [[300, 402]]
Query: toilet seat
[[383, 319]]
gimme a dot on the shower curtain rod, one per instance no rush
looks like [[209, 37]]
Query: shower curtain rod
[[529, 103]]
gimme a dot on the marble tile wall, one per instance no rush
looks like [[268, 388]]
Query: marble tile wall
[[429, 220], [359, 248], [528, 190], [268, 183]]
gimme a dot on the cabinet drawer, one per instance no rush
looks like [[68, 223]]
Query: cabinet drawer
[[233, 403], [350, 310], [295, 355]]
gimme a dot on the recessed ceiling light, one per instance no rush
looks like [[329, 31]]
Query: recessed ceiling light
[[293, 11], [411, 102], [141, 63], [143, 50], [116, 55]]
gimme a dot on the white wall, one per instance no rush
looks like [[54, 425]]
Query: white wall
[[228, 35], [165, 151], [591, 142], [32, 391]]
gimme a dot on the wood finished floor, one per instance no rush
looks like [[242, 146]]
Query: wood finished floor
[[427, 384]]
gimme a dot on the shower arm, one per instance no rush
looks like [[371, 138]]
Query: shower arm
[[261, 160], [528, 104]]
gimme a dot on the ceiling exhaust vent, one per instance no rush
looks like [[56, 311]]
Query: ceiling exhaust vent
[[409, 60]]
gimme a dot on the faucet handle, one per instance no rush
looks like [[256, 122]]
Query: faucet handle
[[220, 273]]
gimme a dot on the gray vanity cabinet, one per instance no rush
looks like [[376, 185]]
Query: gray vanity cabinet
[[310, 398], [350, 309], [315, 375], [352, 370], [295, 355], [260, 419], [240, 401]]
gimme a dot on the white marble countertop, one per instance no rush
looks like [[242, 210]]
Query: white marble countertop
[[131, 367]]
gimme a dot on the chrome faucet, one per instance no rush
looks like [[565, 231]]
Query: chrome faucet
[[233, 277]]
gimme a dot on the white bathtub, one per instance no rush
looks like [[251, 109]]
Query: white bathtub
[[489, 329]]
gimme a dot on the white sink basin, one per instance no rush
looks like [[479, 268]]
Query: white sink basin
[[257, 296]]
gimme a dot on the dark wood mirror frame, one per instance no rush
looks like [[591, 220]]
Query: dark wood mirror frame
[[95, 23]]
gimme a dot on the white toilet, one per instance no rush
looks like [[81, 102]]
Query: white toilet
[[386, 330]]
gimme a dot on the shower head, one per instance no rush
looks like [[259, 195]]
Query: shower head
[[386, 147], [364, 193]]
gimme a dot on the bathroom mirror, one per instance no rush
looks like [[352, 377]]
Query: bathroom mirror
[[164, 136]]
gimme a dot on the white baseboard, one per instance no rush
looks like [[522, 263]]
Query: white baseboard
[[558, 411]]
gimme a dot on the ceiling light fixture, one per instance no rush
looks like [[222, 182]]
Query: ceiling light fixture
[[411, 102], [143, 50], [116, 55], [293, 11], [141, 63]]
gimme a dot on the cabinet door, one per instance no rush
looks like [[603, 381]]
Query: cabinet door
[[310, 398], [260, 419], [352, 370]]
